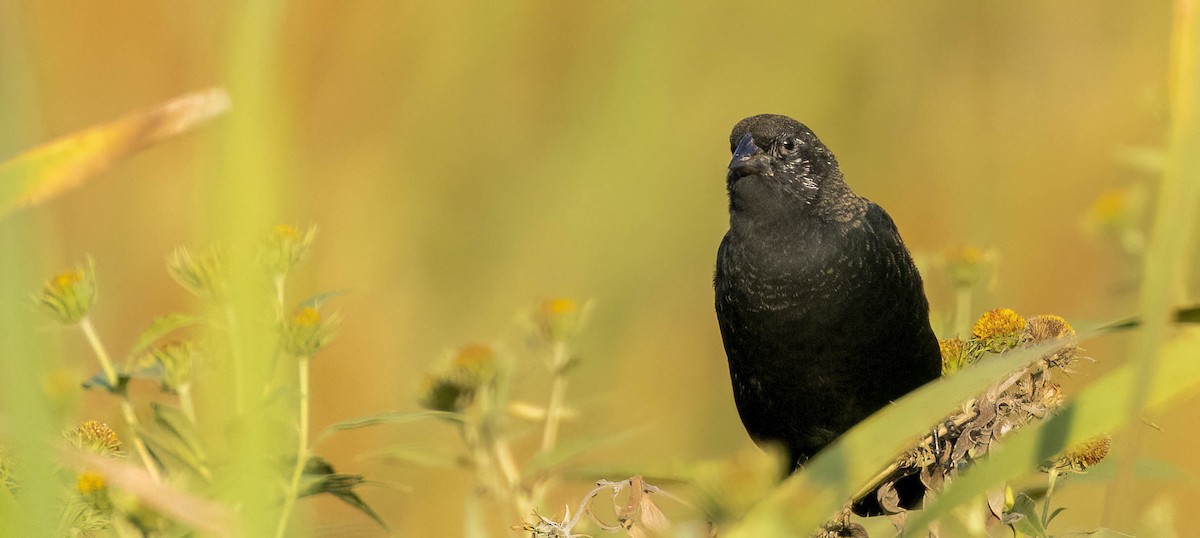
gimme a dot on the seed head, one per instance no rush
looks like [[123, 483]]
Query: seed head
[[94, 436], [1081, 458]]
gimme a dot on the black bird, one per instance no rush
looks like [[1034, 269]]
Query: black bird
[[822, 311]]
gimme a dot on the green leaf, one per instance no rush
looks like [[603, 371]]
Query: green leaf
[[1101, 407], [416, 456], [1024, 517], [320, 477], [100, 381], [386, 418], [317, 300], [1055, 514], [175, 436], [1183, 314], [1149, 160], [65, 163], [544, 461], [160, 327]]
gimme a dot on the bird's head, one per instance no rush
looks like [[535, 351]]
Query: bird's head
[[777, 162]]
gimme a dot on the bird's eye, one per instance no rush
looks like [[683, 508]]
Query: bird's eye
[[788, 145]]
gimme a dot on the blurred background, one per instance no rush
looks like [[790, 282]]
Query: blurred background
[[467, 160]]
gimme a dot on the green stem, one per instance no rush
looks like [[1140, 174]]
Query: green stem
[[558, 392], [110, 374], [235, 358], [279, 295], [1046, 502], [293, 490], [1164, 268], [89, 331]]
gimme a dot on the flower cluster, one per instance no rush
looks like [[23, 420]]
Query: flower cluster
[[1020, 398]]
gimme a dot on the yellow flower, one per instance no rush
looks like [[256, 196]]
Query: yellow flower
[[998, 323], [309, 331], [95, 436], [285, 231], [69, 295], [89, 482], [1110, 205], [559, 319], [952, 355], [966, 264], [286, 247]]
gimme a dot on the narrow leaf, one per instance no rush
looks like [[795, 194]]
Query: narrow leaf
[[160, 327], [386, 418], [320, 477], [65, 163]]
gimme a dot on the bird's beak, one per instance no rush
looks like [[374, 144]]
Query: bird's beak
[[748, 159]]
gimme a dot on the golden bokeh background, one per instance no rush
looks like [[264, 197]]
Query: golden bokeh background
[[465, 160]]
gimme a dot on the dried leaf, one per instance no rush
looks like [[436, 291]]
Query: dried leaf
[[65, 163], [889, 498]]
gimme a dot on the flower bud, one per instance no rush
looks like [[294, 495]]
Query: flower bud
[[69, 295]]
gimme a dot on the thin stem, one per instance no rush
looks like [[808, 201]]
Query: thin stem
[[1046, 502], [558, 393], [138, 444], [279, 295], [89, 331], [301, 451], [110, 374], [508, 467], [235, 358]]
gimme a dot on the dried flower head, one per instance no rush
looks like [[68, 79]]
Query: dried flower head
[[952, 355], [69, 295], [201, 274], [1081, 458], [1051, 328], [308, 331], [453, 387], [287, 246], [94, 436], [1048, 327]]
